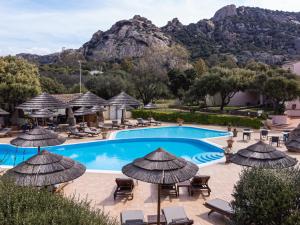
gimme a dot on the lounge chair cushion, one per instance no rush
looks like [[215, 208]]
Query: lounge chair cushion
[[129, 216], [174, 213], [220, 205]]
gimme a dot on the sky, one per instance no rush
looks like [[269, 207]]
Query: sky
[[46, 26]]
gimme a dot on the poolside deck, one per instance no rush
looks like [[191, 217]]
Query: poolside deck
[[99, 187]]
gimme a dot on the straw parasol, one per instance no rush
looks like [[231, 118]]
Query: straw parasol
[[98, 108], [264, 156], [38, 137], [88, 100], [42, 113], [293, 142], [82, 111], [45, 169], [160, 167], [42, 101], [124, 99], [150, 105], [3, 112]]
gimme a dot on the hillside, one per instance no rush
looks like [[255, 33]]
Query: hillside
[[247, 33]]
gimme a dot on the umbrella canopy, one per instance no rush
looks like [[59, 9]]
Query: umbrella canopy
[[88, 100], [3, 112], [45, 169], [263, 155], [42, 113], [38, 137], [160, 167], [98, 108], [123, 99], [150, 105], [293, 142], [83, 111], [43, 101], [126, 107]]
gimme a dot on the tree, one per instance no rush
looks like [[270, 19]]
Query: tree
[[200, 66], [266, 197], [180, 81], [19, 80], [226, 82], [51, 86], [149, 77], [279, 90]]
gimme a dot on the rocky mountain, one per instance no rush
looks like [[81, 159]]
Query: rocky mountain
[[245, 32], [126, 39]]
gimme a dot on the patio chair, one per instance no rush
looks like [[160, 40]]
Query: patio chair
[[132, 217], [130, 124], [169, 189], [73, 131], [142, 122], [247, 133], [220, 206], [200, 183], [264, 134], [91, 131], [153, 121], [274, 139], [5, 132], [176, 216], [124, 188], [115, 124]]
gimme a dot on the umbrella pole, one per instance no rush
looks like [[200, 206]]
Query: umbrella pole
[[39, 149], [158, 204]]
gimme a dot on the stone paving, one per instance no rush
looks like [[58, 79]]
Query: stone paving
[[99, 187]]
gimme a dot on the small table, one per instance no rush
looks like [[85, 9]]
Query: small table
[[184, 184], [152, 219]]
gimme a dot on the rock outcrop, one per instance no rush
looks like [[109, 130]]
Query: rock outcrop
[[127, 38], [226, 11]]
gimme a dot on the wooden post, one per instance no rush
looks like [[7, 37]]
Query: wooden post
[[158, 204]]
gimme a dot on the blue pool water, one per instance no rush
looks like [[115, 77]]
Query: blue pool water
[[128, 145], [170, 132]]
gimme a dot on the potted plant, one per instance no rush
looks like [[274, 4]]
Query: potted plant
[[104, 134], [234, 132], [180, 121], [229, 127], [227, 150]]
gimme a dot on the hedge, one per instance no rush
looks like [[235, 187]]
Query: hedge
[[200, 118], [29, 206]]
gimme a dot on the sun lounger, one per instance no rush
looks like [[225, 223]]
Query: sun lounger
[[169, 189], [129, 124], [124, 188], [115, 124], [91, 131], [200, 183], [73, 131], [5, 132], [176, 216], [153, 121], [132, 217], [142, 122], [220, 206]]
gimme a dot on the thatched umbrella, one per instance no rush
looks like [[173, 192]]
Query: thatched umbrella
[[99, 112], [293, 142], [42, 101], [38, 137], [124, 108], [264, 156], [3, 112], [160, 167], [82, 111], [88, 100], [41, 113], [150, 105], [45, 169], [124, 99]]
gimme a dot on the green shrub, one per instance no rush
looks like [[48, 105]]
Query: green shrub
[[201, 118], [267, 197], [28, 206]]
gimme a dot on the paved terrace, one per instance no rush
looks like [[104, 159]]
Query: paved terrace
[[99, 187]]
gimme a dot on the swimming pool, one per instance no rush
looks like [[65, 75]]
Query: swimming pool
[[170, 132], [125, 146]]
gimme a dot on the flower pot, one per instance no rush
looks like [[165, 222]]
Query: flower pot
[[230, 143], [104, 135], [227, 157], [235, 132]]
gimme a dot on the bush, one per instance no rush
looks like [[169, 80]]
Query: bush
[[28, 206], [201, 118], [267, 197]]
